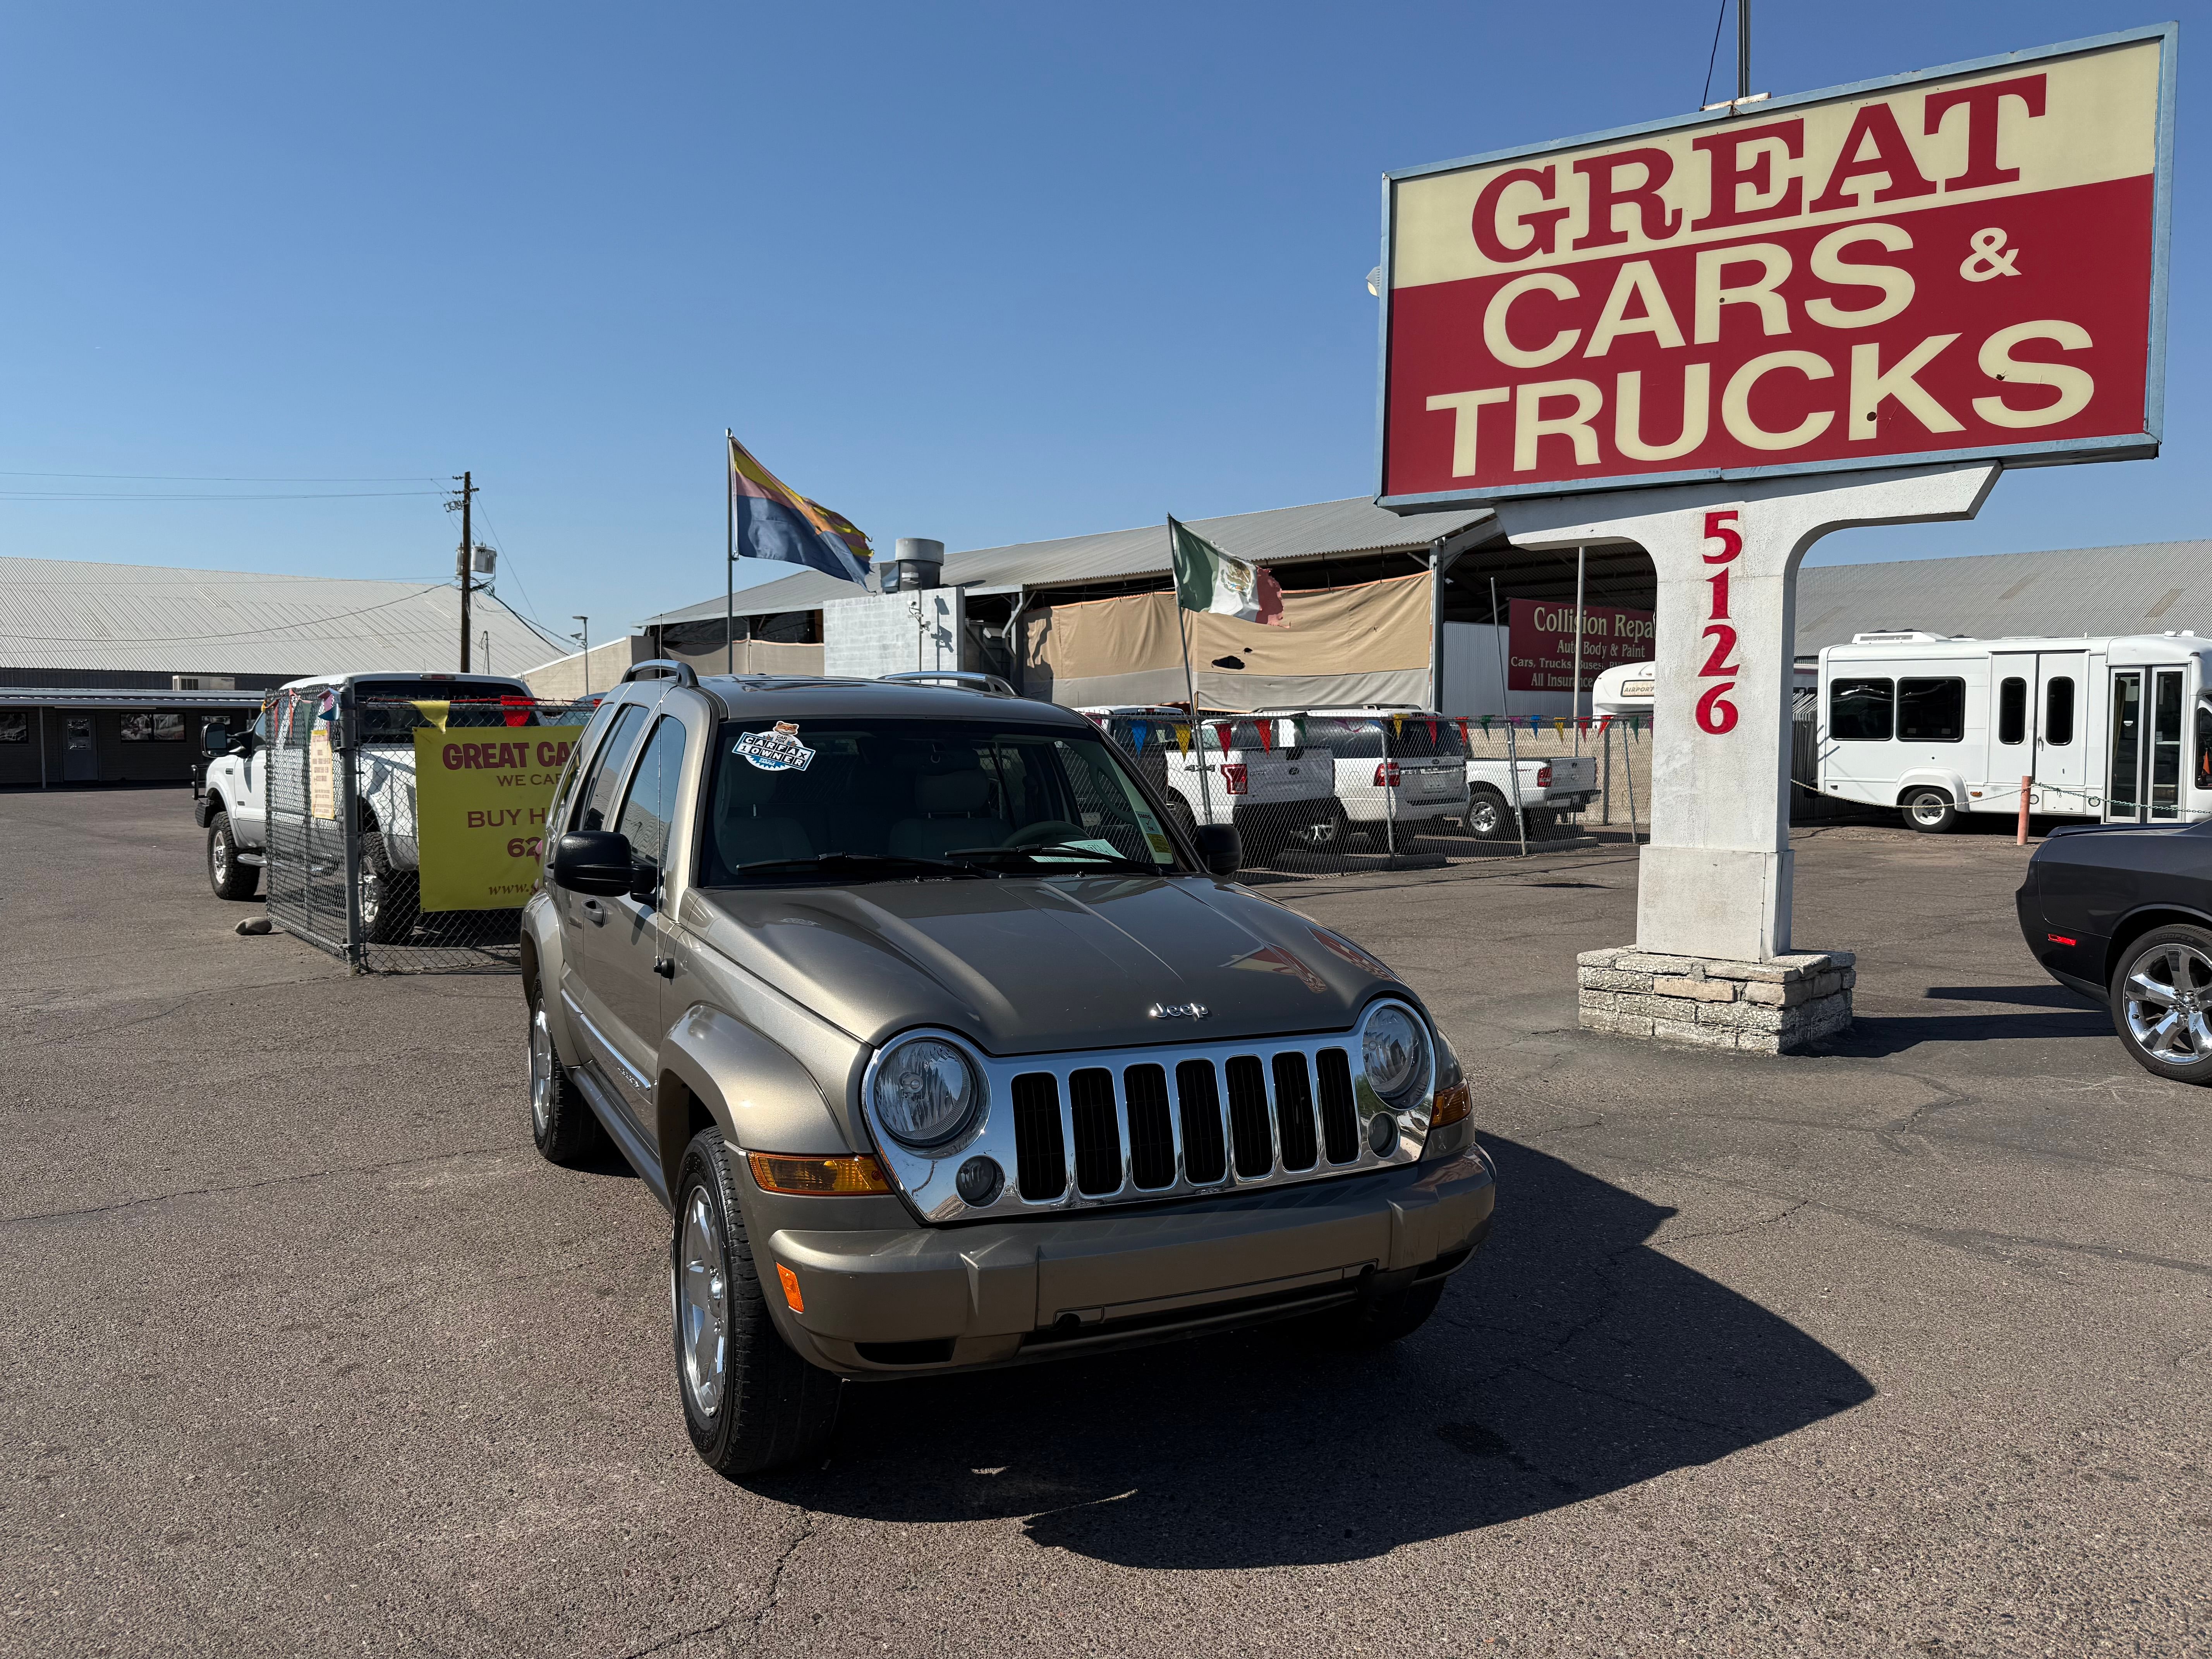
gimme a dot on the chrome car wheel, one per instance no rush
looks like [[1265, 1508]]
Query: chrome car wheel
[[2168, 997], [702, 1302], [541, 1073], [219, 855]]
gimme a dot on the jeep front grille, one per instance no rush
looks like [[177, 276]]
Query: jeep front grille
[[1077, 1131]]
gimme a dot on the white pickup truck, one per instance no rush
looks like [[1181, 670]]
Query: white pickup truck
[[1550, 787], [234, 808], [1279, 796]]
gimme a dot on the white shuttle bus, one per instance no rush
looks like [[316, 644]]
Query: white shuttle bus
[[2115, 729]]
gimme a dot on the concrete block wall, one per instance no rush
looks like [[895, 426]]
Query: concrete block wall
[[877, 634], [1767, 1007]]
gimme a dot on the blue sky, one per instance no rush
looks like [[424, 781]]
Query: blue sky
[[988, 273]]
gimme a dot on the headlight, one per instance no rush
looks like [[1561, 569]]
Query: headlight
[[1395, 1051], [925, 1093]]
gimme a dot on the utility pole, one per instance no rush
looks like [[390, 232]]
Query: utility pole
[[1742, 49], [584, 639], [461, 563]]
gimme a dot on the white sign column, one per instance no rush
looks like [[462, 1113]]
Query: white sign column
[[1714, 884]]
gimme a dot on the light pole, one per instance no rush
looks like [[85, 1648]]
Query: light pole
[[584, 639]]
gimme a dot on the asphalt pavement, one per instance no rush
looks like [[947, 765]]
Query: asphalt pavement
[[1904, 1348]]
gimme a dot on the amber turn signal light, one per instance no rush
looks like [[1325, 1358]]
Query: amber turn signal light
[[847, 1173], [1451, 1104]]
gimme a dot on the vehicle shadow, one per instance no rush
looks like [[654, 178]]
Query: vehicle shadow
[[1570, 1359], [1873, 1035], [2020, 996]]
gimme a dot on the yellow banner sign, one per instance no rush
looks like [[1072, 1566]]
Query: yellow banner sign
[[480, 801]]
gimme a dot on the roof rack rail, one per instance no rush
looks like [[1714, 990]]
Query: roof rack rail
[[661, 668], [991, 684]]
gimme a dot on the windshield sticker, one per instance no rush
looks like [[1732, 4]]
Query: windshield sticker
[[779, 750]]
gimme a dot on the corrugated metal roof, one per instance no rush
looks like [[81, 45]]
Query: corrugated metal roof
[[1282, 535], [2144, 589], [69, 614]]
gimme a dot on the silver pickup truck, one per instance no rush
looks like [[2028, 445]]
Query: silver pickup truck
[[234, 808], [947, 1049]]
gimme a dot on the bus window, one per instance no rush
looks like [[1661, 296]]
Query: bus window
[[1932, 711], [1861, 711], [2204, 745], [2059, 711], [2012, 711]]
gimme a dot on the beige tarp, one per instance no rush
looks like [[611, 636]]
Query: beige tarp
[[1364, 643]]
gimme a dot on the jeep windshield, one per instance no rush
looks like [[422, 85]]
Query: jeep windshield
[[901, 801]]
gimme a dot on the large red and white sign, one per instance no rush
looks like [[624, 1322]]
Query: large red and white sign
[[1540, 643], [1965, 263]]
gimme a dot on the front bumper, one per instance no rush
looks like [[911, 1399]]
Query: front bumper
[[894, 1302]]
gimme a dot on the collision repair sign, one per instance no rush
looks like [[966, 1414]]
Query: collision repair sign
[[1967, 262], [481, 795]]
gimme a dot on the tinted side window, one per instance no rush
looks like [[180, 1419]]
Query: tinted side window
[[2058, 710], [1932, 711], [2012, 711], [595, 794], [651, 805], [1861, 711], [2204, 746]]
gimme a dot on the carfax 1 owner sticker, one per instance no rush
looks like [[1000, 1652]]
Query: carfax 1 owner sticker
[[480, 799]]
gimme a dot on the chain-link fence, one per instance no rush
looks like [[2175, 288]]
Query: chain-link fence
[[1332, 792], [396, 872]]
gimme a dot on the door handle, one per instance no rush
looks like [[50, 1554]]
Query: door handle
[[596, 911]]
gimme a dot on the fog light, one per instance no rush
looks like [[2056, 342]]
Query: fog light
[[980, 1180], [1382, 1133]]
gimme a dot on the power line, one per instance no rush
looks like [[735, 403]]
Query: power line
[[125, 495], [197, 477]]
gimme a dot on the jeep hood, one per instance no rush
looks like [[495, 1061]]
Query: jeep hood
[[1028, 965]]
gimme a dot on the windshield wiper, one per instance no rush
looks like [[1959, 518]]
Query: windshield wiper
[[867, 863], [1060, 850]]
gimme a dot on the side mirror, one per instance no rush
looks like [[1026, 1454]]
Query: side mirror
[[1220, 848], [592, 861], [214, 739]]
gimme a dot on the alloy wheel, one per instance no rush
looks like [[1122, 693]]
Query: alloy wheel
[[703, 1304], [2168, 997], [219, 855], [541, 1071]]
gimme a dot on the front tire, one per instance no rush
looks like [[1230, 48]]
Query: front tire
[[2161, 1002], [749, 1403], [387, 895], [561, 1123], [230, 879], [1929, 811]]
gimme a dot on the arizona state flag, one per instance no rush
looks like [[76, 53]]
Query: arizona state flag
[[771, 521]]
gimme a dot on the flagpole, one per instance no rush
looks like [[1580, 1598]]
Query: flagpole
[[1190, 683], [729, 560]]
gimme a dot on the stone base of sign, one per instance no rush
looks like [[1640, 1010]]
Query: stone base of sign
[[1772, 1008]]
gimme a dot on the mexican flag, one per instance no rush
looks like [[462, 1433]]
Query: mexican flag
[[1206, 579]]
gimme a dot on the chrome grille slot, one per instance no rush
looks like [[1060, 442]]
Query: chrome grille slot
[[1340, 1118], [1151, 1130], [1294, 1113], [1041, 1155], [1097, 1131], [1205, 1154], [1248, 1127]]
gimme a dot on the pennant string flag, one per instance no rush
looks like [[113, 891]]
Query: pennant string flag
[[774, 521], [1182, 739], [1139, 732]]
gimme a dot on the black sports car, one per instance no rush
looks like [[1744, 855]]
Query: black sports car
[[2123, 913]]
